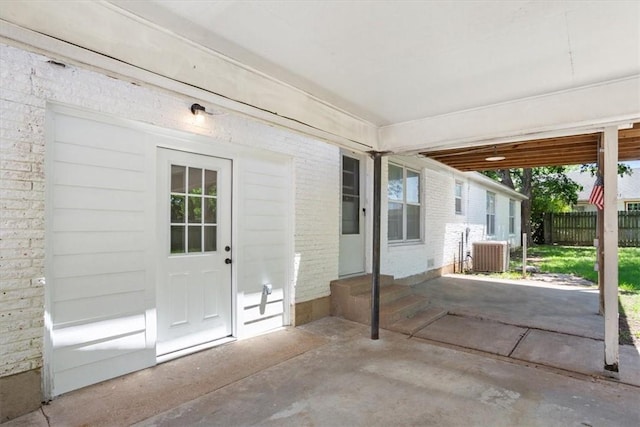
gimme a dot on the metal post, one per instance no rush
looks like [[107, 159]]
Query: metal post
[[461, 254], [600, 232], [375, 262], [524, 255]]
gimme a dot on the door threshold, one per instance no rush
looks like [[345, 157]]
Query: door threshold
[[196, 348]]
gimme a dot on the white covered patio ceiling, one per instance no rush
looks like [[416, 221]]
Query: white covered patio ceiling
[[403, 76]]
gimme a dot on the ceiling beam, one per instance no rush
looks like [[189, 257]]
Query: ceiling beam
[[577, 111]]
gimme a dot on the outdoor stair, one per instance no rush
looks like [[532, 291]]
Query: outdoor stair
[[351, 299]]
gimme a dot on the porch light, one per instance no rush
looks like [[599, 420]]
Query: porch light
[[198, 110], [495, 157]]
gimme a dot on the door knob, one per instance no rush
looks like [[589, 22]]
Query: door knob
[[227, 261]]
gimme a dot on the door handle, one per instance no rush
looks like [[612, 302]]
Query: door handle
[[227, 261]]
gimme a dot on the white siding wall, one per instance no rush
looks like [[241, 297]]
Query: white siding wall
[[27, 83], [96, 256]]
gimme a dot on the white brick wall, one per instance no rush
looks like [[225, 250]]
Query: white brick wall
[[443, 229], [27, 83]]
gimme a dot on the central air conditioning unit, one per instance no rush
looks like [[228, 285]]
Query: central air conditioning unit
[[491, 256]]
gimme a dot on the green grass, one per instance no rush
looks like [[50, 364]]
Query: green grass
[[579, 261]]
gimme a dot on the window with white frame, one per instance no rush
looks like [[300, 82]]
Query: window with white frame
[[632, 206], [512, 216], [491, 214], [458, 196], [403, 219]]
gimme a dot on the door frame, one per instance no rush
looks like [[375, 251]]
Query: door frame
[[160, 253], [364, 204]]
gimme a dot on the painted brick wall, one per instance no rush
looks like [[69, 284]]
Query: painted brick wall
[[443, 229], [27, 82]]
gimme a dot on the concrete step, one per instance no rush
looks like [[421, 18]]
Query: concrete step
[[388, 294], [359, 284], [343, 291], [401, 308], [420, 321]]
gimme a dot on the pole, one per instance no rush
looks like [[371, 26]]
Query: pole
[[610, 248], [600, 232], [375, 262], [524, 255]]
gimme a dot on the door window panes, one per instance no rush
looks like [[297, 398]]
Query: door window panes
[[178, 179], [193, 212], [350, 195], [195, 181], [178, 239]]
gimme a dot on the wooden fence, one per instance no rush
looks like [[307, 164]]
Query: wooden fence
[[579, 228]]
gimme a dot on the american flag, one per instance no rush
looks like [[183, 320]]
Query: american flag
[[597, 193]]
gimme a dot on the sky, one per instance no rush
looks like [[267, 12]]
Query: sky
[[634, 164]]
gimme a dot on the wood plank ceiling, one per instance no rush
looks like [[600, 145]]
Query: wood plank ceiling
[[567, 150]]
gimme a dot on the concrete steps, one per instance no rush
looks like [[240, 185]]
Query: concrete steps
[[351, 299]]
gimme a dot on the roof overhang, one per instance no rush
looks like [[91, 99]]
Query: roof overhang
[[557, 151]]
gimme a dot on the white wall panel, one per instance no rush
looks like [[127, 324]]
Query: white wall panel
[[97, 252], [265, 225]]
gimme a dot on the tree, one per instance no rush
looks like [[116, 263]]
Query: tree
[[548, 189]]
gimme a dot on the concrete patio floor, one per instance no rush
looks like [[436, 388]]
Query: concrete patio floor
[[542, 322], [529, 303], [329, 373]]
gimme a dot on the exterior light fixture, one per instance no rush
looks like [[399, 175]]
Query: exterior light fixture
[[495, 157], [198, 110]]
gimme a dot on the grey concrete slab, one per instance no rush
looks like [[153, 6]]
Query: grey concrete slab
[[413, 324], [131, 398], [354, 381], [568, 352], [529, 303], [32, 419], [484, 335], [339, 377], [577, 354], [630, 365]]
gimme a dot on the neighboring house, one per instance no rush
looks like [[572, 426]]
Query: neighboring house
[[134, 232], [628, 191]]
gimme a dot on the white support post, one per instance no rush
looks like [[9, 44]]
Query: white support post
[[610, 246]]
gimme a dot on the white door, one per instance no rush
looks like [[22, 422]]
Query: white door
[[352, 225], [194, 230]]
